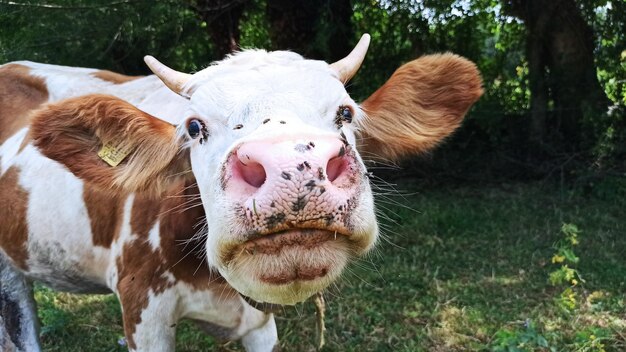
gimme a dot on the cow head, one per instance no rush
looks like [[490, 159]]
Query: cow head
[[274, 142]]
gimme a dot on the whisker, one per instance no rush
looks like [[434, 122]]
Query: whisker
[[182, 205], [180, 173]]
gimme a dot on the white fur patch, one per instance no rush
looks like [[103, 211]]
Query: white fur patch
[[262, 339], [125, 236], [157, 330], [10, 148], [60, 238], [154, 237], [169, 277], [65, 82]]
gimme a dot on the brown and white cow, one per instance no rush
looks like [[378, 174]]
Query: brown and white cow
[[246, 182]]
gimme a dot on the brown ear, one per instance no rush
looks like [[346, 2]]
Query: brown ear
[[73, 132], [422, 103]]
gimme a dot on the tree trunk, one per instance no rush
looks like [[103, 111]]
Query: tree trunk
[[535, 52], [317, 29], [562, 70], [293, 25], [340, 30], [222, 19], [575, 85]]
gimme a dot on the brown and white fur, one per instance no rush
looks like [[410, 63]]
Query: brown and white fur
[[71, 221]]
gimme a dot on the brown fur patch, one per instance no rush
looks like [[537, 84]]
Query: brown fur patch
[[20, 93], [113, 77], [141, 268], [105, 210], [73, 130], [13, 225], [144, 214], [422, 103]]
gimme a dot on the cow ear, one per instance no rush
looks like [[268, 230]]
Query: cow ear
[[110, 143], [422, 103]]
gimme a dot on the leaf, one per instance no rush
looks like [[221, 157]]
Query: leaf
[[542, 342], [569, 255]]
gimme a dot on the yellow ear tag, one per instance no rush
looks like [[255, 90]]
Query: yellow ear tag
[[113, 153]]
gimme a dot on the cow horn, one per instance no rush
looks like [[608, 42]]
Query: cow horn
[[346, 68], [174, 80]]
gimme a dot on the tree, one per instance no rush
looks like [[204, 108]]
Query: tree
[[106, 34], [222, 18], [318, 29], [560, 52]]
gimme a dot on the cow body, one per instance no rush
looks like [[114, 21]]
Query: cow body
[[248, 183], [60, 230]]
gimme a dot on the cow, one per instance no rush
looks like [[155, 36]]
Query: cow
[[202, 196]]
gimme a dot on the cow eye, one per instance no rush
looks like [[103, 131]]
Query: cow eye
[[344, 114], [195, 128]]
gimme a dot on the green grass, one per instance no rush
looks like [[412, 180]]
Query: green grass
[[466, 269]]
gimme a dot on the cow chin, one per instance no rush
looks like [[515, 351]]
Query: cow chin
[[288, 267]]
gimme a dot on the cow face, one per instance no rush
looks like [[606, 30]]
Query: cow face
[[273, 141]]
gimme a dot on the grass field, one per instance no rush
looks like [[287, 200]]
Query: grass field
[[462, 268]]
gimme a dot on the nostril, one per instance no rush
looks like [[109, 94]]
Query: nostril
[[335, 167], [252, 173]]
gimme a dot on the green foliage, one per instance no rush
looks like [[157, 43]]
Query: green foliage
[[398, 31], [572, 306], [54, 320], [608, 19], [568, 300], [105, 34], [254, 26], [610, 188], [116, 35], [590, 339], [521, 340]]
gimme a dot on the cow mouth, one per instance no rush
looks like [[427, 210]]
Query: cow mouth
[[275, 243], [294, 255], [289, 266]]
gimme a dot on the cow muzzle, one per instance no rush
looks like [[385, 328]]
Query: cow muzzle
[[295, 200]]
